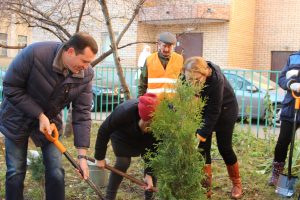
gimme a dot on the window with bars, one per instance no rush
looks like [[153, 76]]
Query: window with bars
[[105, 46], [3, 40]]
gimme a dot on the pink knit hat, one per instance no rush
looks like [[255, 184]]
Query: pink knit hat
[[147, 105]]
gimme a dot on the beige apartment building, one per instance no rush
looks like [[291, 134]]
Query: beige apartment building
[[14, 35], [246, 34]]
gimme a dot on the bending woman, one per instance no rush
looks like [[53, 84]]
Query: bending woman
[[220, 115]]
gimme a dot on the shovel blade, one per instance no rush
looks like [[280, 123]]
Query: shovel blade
[[285, 186]]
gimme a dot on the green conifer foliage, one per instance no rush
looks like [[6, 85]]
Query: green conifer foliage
[[37, 168], [178, 164]]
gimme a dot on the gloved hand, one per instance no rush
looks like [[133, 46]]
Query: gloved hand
[[291, 73], [295, 87], [200, 138]]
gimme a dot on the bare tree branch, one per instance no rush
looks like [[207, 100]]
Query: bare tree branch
[[59, 16], [80, 15], [132, 43], [55, 18], [107, 53], [46, 21], [55, 32], [27, 9], [59, 36], [12, 47], [115, 49], [134, 14]]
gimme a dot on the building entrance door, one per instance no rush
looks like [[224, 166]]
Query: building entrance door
[[189, 44], [278, 61]]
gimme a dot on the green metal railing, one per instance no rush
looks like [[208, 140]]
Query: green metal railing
[[107, 81], [250, 86], [258, 96]]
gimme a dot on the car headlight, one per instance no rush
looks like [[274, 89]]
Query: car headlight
[[97, 91]]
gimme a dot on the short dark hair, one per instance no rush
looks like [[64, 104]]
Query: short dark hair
[[79, 41]]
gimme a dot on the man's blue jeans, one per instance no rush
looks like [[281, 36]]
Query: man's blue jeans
[[16, 154]]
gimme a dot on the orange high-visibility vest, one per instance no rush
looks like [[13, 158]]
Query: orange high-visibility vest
[[162, 80]]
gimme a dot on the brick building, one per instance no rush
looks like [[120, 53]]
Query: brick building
[[12, 34], [250, 34]]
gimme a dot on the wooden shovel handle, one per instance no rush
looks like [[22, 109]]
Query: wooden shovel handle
[[138, 182]]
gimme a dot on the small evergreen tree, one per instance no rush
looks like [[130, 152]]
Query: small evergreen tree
[[178, 164], [270, 121], [37, 172]]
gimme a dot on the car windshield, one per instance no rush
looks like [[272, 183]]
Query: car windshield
[[248, 77], [260, 81]]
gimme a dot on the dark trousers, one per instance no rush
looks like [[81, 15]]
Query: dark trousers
[[284, 140], [16, 154], [122, 163], [224, 130]]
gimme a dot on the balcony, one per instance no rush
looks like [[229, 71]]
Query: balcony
[[184, 14]]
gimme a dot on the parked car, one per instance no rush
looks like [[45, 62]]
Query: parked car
[[107, 92], [104, 96], [251, 89]]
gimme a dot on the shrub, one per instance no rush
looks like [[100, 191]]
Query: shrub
[[178, 165]]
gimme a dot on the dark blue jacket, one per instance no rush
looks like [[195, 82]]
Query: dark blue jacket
[[221, 102], [28, 89], [288, 103]]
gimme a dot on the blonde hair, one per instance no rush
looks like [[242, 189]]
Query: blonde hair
[[197, 64]]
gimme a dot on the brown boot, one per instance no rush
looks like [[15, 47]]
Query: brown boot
[[208, 180], [234, 175]]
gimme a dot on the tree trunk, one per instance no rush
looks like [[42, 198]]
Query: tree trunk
[[114, 49]]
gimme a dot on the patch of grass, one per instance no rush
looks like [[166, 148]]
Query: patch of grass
[[254, 155], [2, 168], [2, 179]]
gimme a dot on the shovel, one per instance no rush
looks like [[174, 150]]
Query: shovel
[[63, 150], [286, 183], [134, 180]]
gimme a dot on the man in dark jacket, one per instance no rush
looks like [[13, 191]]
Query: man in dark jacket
[[127, 128], [43, 79]]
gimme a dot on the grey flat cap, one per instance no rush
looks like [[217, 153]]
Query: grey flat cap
[[167, 37]]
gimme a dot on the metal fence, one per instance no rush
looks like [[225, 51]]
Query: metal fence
[[259, 98], [258, 94]]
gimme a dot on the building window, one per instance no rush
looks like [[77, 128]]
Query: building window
[[3, 40], [109, 60], [22, 41]]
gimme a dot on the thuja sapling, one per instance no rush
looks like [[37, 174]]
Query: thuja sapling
[[177, 163]]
